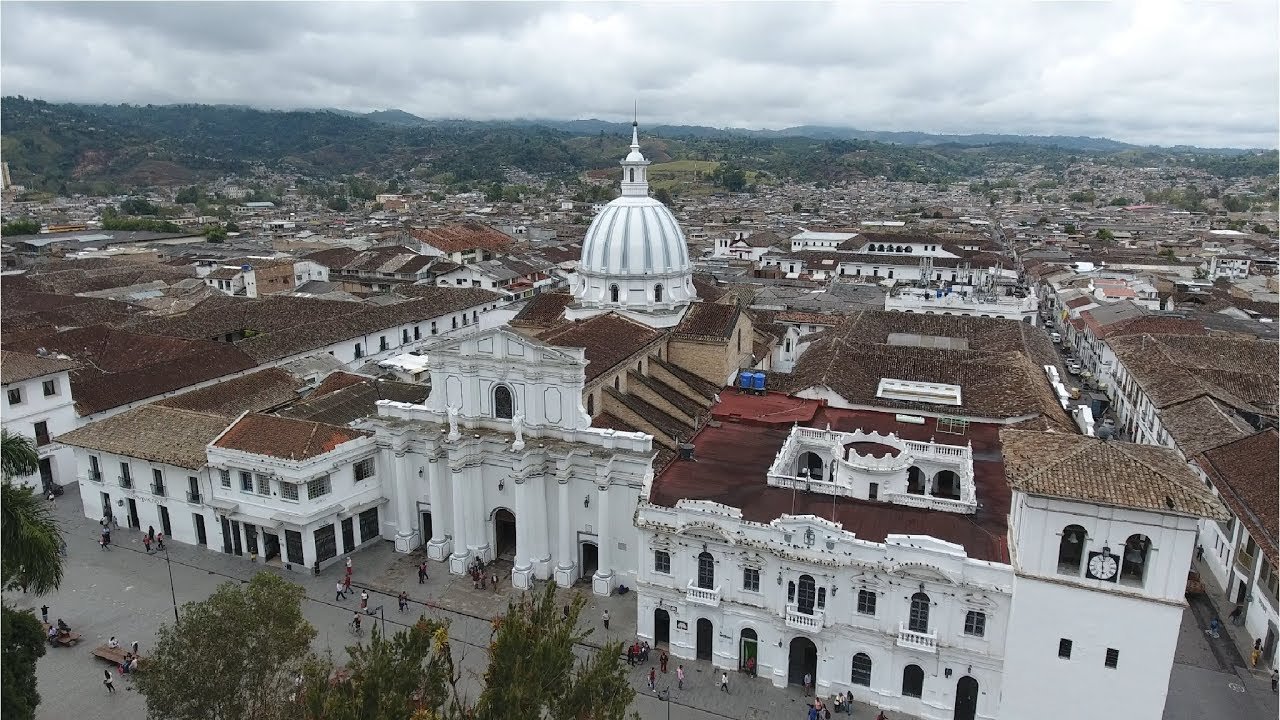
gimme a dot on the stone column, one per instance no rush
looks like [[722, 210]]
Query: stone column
[[565, 565], [602, 582], [405, 480], [477, 518], [461, 556], [539, 546], [526, 519], [438, 548]]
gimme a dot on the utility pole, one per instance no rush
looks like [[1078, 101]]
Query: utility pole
[[172, 592]]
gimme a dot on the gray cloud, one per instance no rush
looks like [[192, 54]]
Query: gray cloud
[[1146, 72]]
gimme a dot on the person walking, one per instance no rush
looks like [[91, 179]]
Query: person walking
[[102, 543], [346, 584], [340, 592], [808, 684], [151, 533], [44, 614], [1214, 626], [606, 619], [110, 683], [1235, 616], [662, 660], [159, 541], [364, 599], [1256, 654], [653, 679], [146, 543], [631, 655], [404, 601], [348, 564], [422, 572], [724, 681], [680, 677]]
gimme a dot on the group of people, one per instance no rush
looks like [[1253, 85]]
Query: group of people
[[153, 538], [58, 631], [477, 573], [820, 710]]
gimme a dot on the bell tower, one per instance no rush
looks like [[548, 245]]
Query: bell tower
[[635, 169]]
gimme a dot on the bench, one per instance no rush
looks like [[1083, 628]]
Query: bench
[[62, 639], [115, 656]]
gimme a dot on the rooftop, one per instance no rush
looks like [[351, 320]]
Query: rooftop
[[256, 392], [1244, 473], [155, 433], [608, 340], [733, 456], [285, 438], [16, 367]]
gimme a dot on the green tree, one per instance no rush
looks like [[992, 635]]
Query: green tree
[[663, 196], [20, 227], [233, 656], [1262, 229], [22, 642], [233, 228], [189, 195], [215, 234], [1105, 234], [1121, 201], [1069, 228], [18, 456], [796, 207], [30, 539], [339, 203], [138, 206]]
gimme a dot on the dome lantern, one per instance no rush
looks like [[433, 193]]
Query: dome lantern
[[635, 169]]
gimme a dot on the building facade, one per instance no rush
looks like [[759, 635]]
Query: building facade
[[38, 406]]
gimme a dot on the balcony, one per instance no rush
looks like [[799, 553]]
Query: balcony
[[157, 488], [95, 476], [193, 497], [924, 642], [702, 596], [1244, 560], [808, 622], [125, 481]]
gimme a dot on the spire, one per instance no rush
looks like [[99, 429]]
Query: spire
[[635, 182]]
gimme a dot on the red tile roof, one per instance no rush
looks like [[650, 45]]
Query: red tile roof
[[608, 340], [463, 237], [1244, 472], [285, 438], [731, 462]]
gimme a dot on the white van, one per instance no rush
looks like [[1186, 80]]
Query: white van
[[1056, 338]]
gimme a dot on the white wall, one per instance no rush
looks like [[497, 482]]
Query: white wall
[[56, 411]]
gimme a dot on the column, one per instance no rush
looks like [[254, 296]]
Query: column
[[539, 546], [438, 548], [602, 582], [565, 566], [477, 518], [461, 556], [526, 518], [402, 475]]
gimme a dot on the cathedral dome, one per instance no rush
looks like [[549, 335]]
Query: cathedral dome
[[634, 257]]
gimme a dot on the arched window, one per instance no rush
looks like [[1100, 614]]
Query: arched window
[[617, 384], [946, 484], [1133, 568], [918, 621], [807, 596], [657, 293], [613, 293], [791, 591], [1071, 549], [912, 681], [861, 670], [591, 405], [504, 405], [810, 464], [706, 571], [915, 481]]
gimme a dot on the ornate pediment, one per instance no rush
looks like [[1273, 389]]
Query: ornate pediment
[[923, 572]]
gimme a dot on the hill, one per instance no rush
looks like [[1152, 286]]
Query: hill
[[102, 148]]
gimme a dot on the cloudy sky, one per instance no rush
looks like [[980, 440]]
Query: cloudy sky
[[1148, 72]]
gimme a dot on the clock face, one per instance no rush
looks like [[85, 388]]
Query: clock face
[[1102, 566]]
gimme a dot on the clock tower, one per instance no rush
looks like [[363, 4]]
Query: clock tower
[[1101, 538]]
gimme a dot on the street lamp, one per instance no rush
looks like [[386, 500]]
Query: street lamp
[[172, 592]]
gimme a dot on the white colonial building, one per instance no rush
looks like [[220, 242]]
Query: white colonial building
[[38, 406]]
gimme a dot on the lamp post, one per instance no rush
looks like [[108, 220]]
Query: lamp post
[[172, 592]]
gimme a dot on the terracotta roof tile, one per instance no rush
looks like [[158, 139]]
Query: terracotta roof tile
[[463, 237], [153, 433], [1244, 473], [285, 438], [708, 320], [16, 367], [256, 392], [608, 339], [543, 310]]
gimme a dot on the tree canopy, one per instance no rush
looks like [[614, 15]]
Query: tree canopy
[[22, 644], [20, 227]]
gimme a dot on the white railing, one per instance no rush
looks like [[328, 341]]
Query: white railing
[[932, 449], [925, 642], [702, 596], [929, 502], [808, 622]]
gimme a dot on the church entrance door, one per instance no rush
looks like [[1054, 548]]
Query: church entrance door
[[504, 534]]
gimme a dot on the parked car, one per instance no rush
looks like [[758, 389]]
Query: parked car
[[1056, 338], [1074, 367]]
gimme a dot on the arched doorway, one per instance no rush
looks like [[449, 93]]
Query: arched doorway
[[802, 660], [966, 699], [504, 534], [810, 464], [946, 484], [590, 558], [747, 649], [915, 480], [661, 628], [705, 639]]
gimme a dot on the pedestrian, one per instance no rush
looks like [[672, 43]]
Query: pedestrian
[[631, 655], [606, 619], [662, 660], [146, 543], [680, 676], [106, 680], [338, 593], [882, 716], [1214, 626], [1200, 553], [348, 564], [495, 582], [1234, 617], [1256, 654], [808, 684], [346, 584], [44, 614], [159, 541], [813, 712], [364, 599], [102, 543], [115, 524], [724, 681], [62, 547], [151, 533], [404, 601], [848, 701], [134, 647], [653, 679], [422, 572]]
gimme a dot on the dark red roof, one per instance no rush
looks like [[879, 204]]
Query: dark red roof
[[732, 460]]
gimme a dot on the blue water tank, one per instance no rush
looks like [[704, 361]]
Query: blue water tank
[[758, 381], [744, 380]]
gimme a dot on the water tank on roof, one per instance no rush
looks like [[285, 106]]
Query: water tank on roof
[[245, 268], [757, 382], [744, 380]]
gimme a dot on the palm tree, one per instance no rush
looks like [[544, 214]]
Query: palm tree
[[18, 455], [28, 533]]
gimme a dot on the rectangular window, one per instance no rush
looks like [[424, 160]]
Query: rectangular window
[[157, 482], [382, 343], [751, 579], [289, 491], [417, 332], [264, 485], [975, 623], [326, 543], [867, 602], [873, 492], [15, 396], [364, 469], [318, 487], [293, 546], [95, 470], [1113, 657], [433, 327], [42, 433], [662, 562], [246, 481], [50, 388], [368, 525], [1064, 649], [404, 335], [224, 476]]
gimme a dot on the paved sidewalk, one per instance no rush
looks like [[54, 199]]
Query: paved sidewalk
[[1234, 640]]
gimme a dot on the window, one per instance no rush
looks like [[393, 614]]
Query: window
[[861, 670], [433, 327], [751, 579], [613, 293], [1064, 649], [975, 623], [95, 470], [50, 387], [912, 681], [706, 571], [1071, 549], [657, 293], [369, 525], [382, 343], [224, 476], [503, 402], [1134, 563], [455, 322], [662, 562], [591, 405], [822, 598], [246, 481], [417, 332], [475, 314], [631, 174], [866, 602], [289, 491], [364, 469], [42, 433], [157, 482], [404, 335], [359, 351], [791, 591], [1113, 657], [15, 396], [873, 491], [465, 320], [264, 484], [919, 618], [807, 596], [318, 487]]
